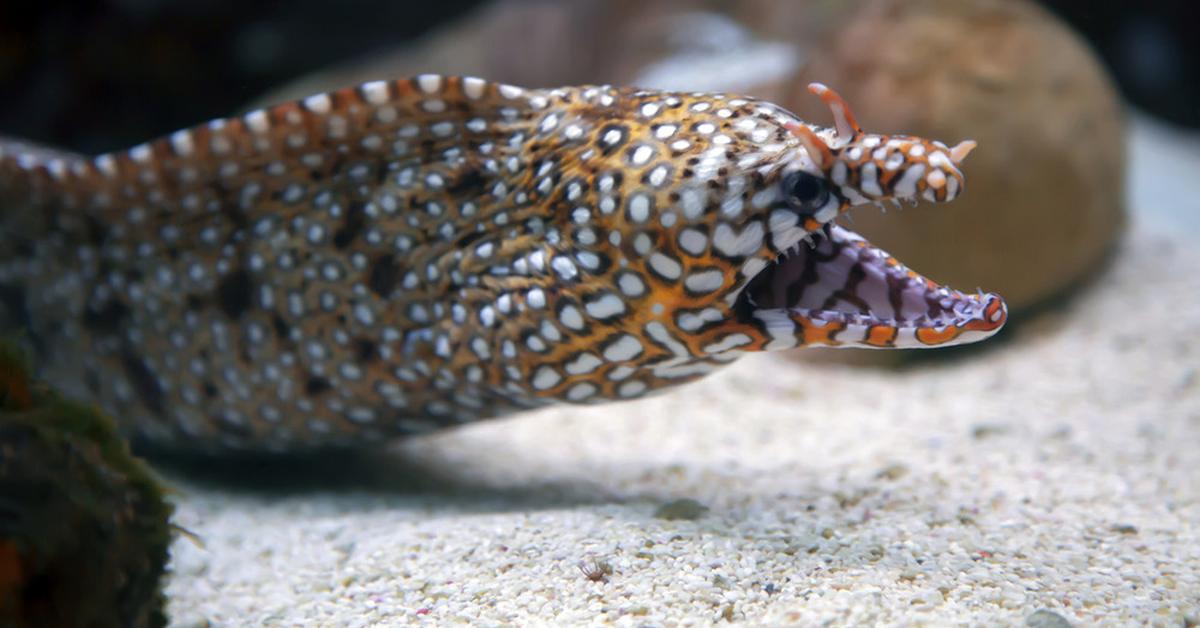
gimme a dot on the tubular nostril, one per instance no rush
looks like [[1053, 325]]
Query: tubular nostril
[[961, 150]]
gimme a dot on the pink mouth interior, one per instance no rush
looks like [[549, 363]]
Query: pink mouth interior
[[844, 278]]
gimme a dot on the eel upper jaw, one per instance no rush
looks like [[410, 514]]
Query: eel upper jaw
[[837, 289]]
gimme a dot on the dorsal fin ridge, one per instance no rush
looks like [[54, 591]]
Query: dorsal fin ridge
[[32, 174]]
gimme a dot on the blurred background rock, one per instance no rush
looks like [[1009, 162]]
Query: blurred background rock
[[1045, 200]]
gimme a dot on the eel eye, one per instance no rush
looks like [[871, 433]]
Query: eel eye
[[806, 193]]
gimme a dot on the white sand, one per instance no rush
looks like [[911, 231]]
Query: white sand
[[1060, 470]]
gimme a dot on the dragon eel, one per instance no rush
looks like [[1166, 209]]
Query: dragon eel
[[409, 255]]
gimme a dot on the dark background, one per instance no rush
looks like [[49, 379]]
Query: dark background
[[96, 75]]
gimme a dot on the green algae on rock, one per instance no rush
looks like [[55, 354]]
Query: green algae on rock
[[84, 527]]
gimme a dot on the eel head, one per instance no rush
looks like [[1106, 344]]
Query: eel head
[[759, 262]]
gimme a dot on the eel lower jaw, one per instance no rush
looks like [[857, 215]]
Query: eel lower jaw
[[841, 291]]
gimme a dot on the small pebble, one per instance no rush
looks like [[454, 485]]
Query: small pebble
[[687, 509], [1046, 619], [986, 430], [892, 472]]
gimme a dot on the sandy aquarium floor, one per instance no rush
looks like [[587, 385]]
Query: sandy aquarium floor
[[1058, 471]]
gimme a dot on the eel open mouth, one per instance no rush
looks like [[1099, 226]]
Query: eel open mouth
[[842, 291]]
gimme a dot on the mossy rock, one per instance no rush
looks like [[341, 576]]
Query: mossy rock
[[84, 528]]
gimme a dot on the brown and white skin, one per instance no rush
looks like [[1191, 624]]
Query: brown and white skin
[[410, 255]]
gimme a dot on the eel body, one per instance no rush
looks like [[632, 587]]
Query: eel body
[[410, 255]]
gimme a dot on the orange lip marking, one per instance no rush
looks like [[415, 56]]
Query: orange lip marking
[[813, 335], [882, 335], [931, 336]]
